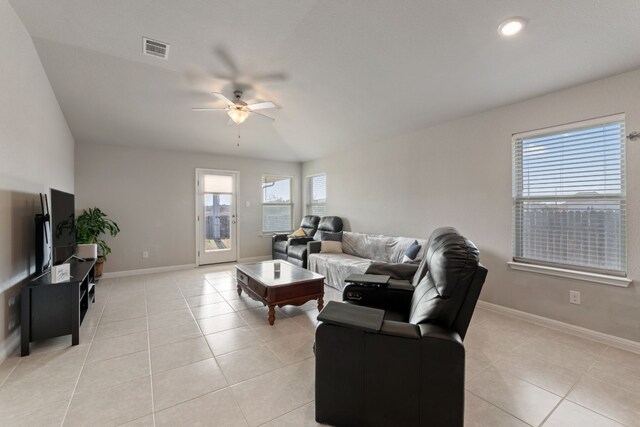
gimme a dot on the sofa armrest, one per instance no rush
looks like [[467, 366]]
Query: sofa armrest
[[300, 241], [313, 247], [394, 297], [279, 237], [352, 316]]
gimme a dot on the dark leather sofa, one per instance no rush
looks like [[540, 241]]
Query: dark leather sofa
[[298, 251], [409, 369], [280, 242]]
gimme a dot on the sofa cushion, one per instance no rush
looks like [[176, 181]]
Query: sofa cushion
[[309, 224], [452, 262], [331, 247], [377, 247], [335, 236], [337, 267], [280, 246]]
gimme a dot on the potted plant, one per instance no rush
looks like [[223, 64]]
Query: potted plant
[[92, 224]]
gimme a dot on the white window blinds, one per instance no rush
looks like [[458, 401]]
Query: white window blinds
[[277, 206], [316, 195], [569, 197]]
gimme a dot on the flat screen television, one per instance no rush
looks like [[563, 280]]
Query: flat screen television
[[63, 233]]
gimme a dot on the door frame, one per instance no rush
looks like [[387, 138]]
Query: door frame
[[197, 202]]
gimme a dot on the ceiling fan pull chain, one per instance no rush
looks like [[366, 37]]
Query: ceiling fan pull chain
[[238, 127]]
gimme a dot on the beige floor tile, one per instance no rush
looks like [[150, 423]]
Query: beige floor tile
[[493, 343], [513, 395], [211, 325], [165, 294], [146, 421], [121, 327], [64, 363], [107, 373], [244, 303], [248, 363], [211, 310], [154, 307], [622, 358], [116, 314], [608, 400], [171, 334], [28, 395], [222, 283], [51, 414], [186, 382], [619, 375], [179, 354], [112, 406], [288, 388], [170, 318], [218, 408], [232, 340], [553, 378], [573, 353], [474, 365], [293, 348], [193, 290], [231, 294], [480, 413], [308, 320], [570, 414], [7, 366], [281, 328], [305, 416], [118, 346], [259, 316], [198, 300]]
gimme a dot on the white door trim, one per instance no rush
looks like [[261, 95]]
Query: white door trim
[[195, 217]]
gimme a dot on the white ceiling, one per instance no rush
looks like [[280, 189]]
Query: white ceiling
[[345, 72]]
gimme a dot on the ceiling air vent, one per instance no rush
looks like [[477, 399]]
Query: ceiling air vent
[[155, 48]]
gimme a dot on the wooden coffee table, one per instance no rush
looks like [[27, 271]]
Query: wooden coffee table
[[292, 286]]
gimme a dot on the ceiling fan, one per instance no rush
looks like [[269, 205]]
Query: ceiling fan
[[238, 110]]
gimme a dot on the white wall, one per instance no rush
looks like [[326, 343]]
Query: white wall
[[459, 173], [151, 195], [36, 153]]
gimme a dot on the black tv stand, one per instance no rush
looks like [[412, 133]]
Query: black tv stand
[[51, 310]]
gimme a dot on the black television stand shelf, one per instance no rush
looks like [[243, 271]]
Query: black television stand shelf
[[51, 310]]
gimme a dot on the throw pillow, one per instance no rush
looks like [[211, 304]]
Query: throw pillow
[[411, 252], [330, 247], [298, 233]]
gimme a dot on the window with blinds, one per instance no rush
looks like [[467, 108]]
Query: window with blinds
[[316, 195], [277, 205], [569, 196]]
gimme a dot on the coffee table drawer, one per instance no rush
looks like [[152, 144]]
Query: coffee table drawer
[[242, 277]]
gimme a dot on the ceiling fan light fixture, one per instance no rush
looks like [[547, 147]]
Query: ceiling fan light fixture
[[238, 115], [512, 26]]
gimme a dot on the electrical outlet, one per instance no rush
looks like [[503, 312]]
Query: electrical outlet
[[145, 254], [574, 297]]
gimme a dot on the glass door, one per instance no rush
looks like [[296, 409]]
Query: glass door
[[216, 218]]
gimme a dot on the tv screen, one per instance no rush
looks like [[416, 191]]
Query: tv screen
[[63, 233]]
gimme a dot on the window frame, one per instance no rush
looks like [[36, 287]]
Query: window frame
[[309, 192], [589, 273], [264, 204]]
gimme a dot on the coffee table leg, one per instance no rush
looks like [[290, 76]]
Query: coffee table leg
[[239, 290], [320, 303], [272, 315]]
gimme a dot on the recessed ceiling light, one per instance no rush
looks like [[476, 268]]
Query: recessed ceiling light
[[512, 26]]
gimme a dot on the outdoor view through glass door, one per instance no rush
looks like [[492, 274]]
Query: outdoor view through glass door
[[216, 219]]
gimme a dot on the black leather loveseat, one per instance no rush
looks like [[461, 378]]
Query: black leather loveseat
[[280, 242], [401, 363], [298, 250]]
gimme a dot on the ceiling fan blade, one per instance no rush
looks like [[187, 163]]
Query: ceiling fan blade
[[262, 105], [209, 109], [222, 98], [263, 115]]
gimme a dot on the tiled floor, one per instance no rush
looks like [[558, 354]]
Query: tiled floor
[[183, 349]]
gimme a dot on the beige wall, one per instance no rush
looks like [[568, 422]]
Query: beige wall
[[459, 173], [36, 153], [151, 195]]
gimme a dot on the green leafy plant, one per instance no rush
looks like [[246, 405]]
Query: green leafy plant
[[92, 224]]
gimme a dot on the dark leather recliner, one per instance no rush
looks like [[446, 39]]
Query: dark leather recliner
[[297, 252], [409, 370], [280, 242]]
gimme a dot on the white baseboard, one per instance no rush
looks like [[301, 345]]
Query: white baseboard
[[600, 337], [255, 259], [141, 271]]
